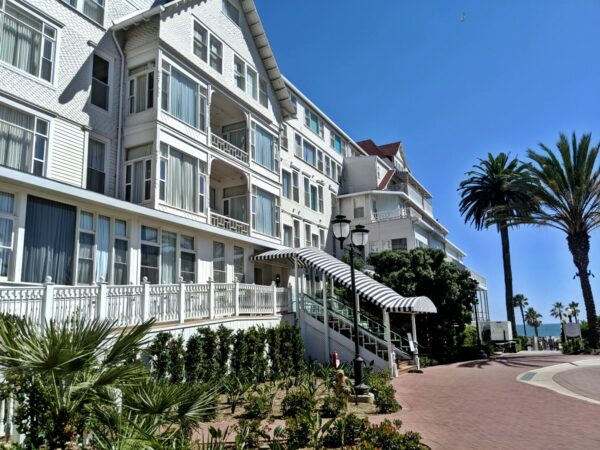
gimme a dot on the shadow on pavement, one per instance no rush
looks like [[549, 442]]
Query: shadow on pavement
[[513, 361]]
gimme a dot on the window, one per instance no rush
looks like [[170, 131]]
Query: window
[[295, 186], [168, 257], [187, 259], [183, 98], [286, 180], [263, 92], [307, 235], [231, 11], [7, 205], [120, 256], [315, 240], [359, 207], [319, 160], [314, 122], [298, 145], [322, 239], [336, 143], [202, 189], [141, 88], [339, 173], [235, 202], [288, 236], [310, 153], [94, 248], [327, 166], [239, 270], [265, 212], [283, 137], [200, 42], [95, 166], [296, 234], [334, 205], [252, 87], [314, 198], [150, 254], [100, 88], [306, 192], [28, 43], [216, 54], [138, 174], [321, 199], [399, 244], [179, 174], [23, 141], [219, 273], [334, 170], [239, 72], [94, 9], [263, 148]]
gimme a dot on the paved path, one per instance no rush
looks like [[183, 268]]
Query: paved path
[[480, 405], [583, 381]]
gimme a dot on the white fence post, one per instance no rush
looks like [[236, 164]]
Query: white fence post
[[211, 298], [101, 300], [274, 290], [236, 298], [145, 299], [181, 300], [47, 302]]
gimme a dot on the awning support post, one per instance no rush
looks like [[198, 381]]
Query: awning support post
[[414, 336], [295, 304], [325, 321], [388, 340]]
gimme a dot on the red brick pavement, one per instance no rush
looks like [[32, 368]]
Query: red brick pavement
[[480, 405]]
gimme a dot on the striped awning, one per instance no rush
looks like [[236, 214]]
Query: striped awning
[[366, 287]]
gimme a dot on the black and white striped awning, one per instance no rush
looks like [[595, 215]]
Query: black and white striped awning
[[367, 288]]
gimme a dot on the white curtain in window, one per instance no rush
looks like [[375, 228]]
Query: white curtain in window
[[167, 256], [265, 210], [184, 98], [20, 42], [140, 94], [264, 148], [137, 184], [181, 192], [102, 248], [16, 142]]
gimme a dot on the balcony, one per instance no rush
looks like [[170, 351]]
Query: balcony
[[395, 214], [228, 148], [227, 223]]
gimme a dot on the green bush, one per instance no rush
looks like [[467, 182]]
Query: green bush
[[298, 432], [574, 347], [158, 352], [193, 359], [345, 431], [387, 436], [384, 392], [297, 403], [224, 341], [259, 403], [176, 359], [333, 406]]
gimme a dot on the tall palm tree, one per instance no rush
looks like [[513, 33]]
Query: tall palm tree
[[520, 301], [557, 311], [494, 193], [533, 319], [567, 190], [575, 308]]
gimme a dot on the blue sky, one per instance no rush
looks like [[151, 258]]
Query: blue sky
[[512, 74]]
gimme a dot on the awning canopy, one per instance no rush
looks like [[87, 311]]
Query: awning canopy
[[366, 287]]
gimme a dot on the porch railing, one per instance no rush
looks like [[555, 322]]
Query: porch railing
[[128, 305], [227, 223], [229, 149], [393, 214]]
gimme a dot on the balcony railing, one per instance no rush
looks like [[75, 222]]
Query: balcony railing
[[129, 305], [227, 223], [394, 214], [229, 149]]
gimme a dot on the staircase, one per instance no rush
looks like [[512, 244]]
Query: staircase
[[371, 332]]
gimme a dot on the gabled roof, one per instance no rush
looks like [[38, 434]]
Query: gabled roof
[[258, 33], [386, 151]]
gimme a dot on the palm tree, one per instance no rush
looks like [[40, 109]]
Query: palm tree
[[567, 190], [520, 301], [557, 311], [490, 196], [533, 319], [575, 308]]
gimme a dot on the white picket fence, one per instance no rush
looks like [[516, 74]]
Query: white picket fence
[[128, 305]]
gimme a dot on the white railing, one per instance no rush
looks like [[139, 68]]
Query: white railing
[[128, 305], [227, 223], [228, 148]]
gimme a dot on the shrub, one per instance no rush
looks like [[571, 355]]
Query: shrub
[[333, 406], [209, 351], [176, 359], [298, 432], [224, 341], [193, 359], [387, 436], [384, 392], [297, 403], [259, 403], [345, 431], [159, 355], [235, 388]]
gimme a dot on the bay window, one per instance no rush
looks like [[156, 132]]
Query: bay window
[[265, 212], [7, 219], [359, 207], [187, 259], [138, 174], [219, 268], [27, 43], [263, 147], [23, 140], [95, 166], [235, 202], [183, 98], [141, 88], [239, 263]]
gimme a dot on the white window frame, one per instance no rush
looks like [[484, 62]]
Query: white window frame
[[108, 84], [188, 251], [276, 215], [157, 244], [134, 74], [118, 237], [12, 217], [296, 236], [290, 233], [79, 5], [239, 71], [147, 191], [307, 235], [308, 115], [283, 137], [215, 271], [215, 58], [252, 88], [239, 276], [288, 175], [226, 9], [320, 196], [296, 186], [106, 144], [200, 41], [165, 96]]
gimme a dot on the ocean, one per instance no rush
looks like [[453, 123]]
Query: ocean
[[545, 330]]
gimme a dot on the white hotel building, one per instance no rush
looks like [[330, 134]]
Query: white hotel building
[[158, 139]]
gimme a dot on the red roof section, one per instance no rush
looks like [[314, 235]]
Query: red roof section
[[383, 151], [386, 179]]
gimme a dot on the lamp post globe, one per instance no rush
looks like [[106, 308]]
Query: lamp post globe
[[360, 236], [341, 228], [569, 314]]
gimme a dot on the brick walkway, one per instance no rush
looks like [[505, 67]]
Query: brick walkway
[[480, 405]]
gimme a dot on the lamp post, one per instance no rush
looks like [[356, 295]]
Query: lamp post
[[570, 315], [358, 239]]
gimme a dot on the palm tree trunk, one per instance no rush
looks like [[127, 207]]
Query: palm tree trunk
[[508, 286], [523, 317], [536, 331], [579, 245]]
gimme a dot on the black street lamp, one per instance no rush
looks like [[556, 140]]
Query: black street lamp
[[359, 238]]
